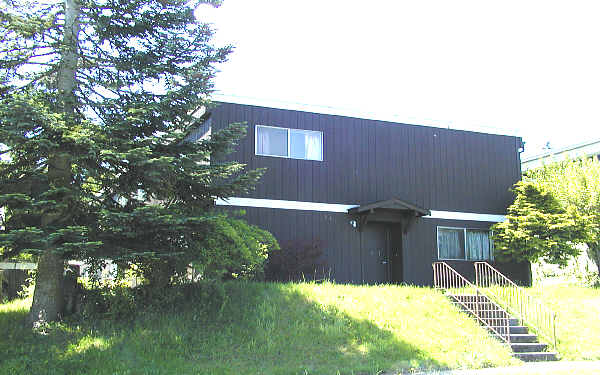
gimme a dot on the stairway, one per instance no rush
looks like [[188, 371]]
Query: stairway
[[524, 345]]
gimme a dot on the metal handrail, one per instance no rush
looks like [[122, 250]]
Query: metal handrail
[[531, 311], [455, 285]]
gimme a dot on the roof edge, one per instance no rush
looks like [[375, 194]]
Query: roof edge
[[352, 113]]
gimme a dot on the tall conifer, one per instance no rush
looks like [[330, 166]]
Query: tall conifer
[[96, 100]]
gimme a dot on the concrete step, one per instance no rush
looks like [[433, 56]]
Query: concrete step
[[486, 306], [528, 347], [481, 305], [536, 356], [513, 329], [524, 345], [499, 321], [480, 308], [523, 338], [491, 313], [472, 298]]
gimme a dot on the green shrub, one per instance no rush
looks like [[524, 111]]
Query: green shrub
[[111, 300], [118, 301], [228, 248], [297, 260], [232, 248]]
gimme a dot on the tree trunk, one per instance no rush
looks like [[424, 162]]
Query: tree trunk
[[48, 298], [160, 275], [594, 254]]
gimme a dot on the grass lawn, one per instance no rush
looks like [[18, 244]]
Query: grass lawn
[[578, 326], [555, 372], [263, 329]]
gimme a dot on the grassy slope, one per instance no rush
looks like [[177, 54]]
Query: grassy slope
[[263, 329], [578, 323]]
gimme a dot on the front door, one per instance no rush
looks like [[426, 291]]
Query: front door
[[375, 253], [396, 259]]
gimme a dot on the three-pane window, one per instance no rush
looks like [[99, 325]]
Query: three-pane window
[[464, 244], [289, 143]]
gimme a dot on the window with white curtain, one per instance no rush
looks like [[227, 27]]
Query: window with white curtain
[[464, 244], [289, 143]]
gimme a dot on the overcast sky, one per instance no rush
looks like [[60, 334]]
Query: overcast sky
[[527, 68]]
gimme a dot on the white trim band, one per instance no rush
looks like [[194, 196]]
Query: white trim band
[[286, 205], [343, 208], [453, 215]]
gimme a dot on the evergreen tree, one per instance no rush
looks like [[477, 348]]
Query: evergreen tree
[[538, 227], [96, 100]]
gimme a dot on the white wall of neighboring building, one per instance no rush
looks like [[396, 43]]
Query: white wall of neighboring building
[[581, 150]]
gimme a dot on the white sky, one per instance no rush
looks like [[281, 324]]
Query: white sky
[[527, 67]]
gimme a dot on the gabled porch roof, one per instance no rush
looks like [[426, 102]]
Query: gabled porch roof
[[393, 210], [394, 204]]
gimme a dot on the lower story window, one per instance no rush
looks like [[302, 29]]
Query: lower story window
[[464, 244]]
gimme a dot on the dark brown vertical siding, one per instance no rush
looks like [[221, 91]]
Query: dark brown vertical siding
[[320, 192], [315, 166], [244, 148], [466, 161], [500, 172], [466, 180], [381, 154], [330, 150], [388, 160], [407, 185], [445, 204], [440, 174], [363, 162], [353, 188], [431, 167], [248, 152], [453, 168], [346, 170], [371, 171], [412, 184], [476, 159], [508, 168]]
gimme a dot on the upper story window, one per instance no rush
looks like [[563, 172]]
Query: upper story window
[[464, 244], [289, 143]]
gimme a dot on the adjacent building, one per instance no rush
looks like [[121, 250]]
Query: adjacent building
[[586, 149]]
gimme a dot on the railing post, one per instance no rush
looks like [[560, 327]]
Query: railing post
[[554, 330], [507, 327], [520, 307]]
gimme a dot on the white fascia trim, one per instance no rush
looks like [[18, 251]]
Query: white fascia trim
[[453, 215], [286, 205], [343, 208]]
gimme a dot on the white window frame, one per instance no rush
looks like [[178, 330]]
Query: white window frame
[[464, 229], [289, 150]]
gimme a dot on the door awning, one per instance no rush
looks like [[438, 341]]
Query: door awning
[[393, 210]]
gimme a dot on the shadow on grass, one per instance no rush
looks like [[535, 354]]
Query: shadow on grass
[[263, 329]]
